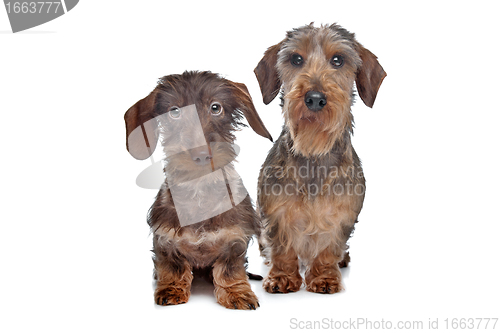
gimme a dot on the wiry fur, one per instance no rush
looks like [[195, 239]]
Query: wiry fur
[[215, 246], [310, 218]]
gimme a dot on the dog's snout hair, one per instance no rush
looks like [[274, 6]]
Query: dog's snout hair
[[311, 214]]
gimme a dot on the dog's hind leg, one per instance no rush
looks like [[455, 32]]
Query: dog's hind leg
[[345, 261]]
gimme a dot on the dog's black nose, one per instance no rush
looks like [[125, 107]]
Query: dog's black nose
[[315, 100], [201, 155]]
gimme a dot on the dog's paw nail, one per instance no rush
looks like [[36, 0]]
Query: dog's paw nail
[[251, 306], [276, 289], [235, 306]]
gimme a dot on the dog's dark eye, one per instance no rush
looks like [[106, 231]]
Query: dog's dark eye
[[337, 61], [216, 108], [174, 112], [297, 60]]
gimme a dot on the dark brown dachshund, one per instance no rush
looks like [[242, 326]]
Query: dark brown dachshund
[[203, 218], [311, 186]]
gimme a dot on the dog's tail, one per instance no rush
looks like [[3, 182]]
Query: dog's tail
[[206, 273], [256, 277]]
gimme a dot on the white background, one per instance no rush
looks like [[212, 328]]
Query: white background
[[74, 243]]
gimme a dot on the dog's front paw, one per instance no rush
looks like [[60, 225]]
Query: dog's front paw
[[325, 285], [171, 295], [237, 297], [282, 283]]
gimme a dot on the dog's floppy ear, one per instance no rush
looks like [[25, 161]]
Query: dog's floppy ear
[[267, 74], [369, 76], [245, 104], [141, 126]]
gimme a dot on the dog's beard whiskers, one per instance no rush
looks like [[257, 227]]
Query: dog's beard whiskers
[[315, 134]]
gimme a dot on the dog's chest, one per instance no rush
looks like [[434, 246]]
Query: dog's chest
[[202, 247]]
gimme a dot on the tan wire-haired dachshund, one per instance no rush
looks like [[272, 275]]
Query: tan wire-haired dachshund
[[311, 186]]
